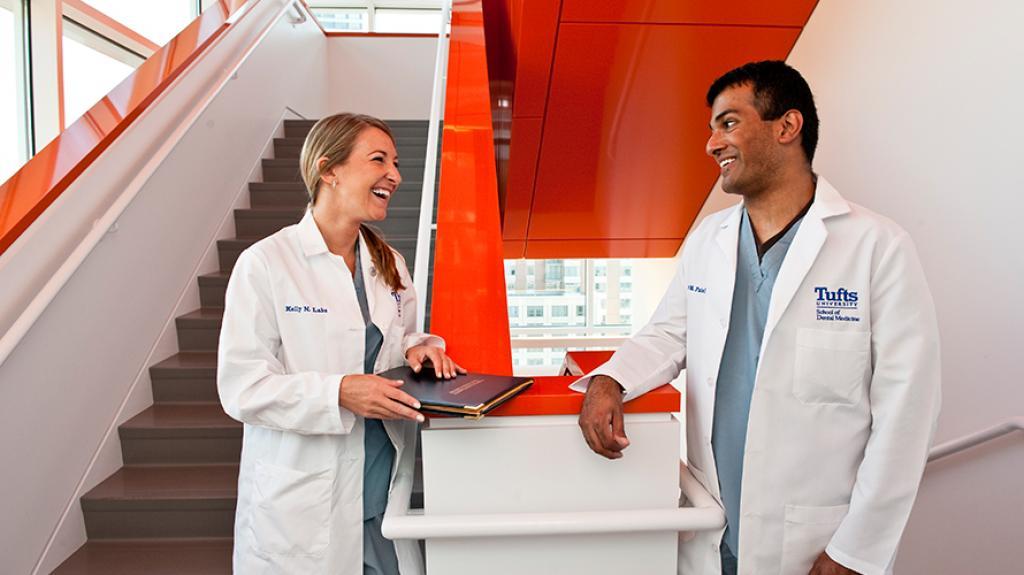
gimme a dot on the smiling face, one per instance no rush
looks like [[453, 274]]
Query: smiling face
[[744, 146], [363, 184]]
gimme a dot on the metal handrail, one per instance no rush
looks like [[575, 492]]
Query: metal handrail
[[977, 438], [426, 223], [705, 514]]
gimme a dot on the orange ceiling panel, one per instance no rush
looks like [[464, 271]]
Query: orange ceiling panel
[[622, 148], [748, 12], [536, 46], [521, 177]]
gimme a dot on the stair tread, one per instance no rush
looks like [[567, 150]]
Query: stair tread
[[142, 483], [179, 417], [199, 556], [210, 316], [215, 278], [287, 211], [189, 360]]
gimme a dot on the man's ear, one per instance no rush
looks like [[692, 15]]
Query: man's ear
[[792, 125]]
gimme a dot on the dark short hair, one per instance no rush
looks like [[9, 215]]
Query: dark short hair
[[778, 88]]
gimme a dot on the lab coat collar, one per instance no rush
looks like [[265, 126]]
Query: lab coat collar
[[310, 238], [803, 252]]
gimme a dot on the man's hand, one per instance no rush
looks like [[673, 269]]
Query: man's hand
[[601, 417], [444, 367], [824, 565], [377, 398]]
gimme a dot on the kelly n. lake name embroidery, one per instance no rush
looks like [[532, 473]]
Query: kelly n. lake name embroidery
[[304, 309], [836, 305]]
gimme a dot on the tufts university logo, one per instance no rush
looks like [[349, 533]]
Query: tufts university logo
[[836, 305]]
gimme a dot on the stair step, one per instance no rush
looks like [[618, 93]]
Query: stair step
[[212, 287], [293, 194], [287, 169], [186, 376], [181, 434], [146, 501], [408, 146], [199, 330], [191, 556], [263, 221], [230, 249], [299, 128]]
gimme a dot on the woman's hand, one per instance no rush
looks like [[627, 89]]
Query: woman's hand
[[377, 398], [444, 367]]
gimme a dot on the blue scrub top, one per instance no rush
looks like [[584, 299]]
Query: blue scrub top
[[379, 453], [755, 279]]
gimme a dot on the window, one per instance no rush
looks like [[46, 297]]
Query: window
[[534, 311], [581, 311], [157, 21], [535, 361], [559, 311], [13, 112], [513, 311], [409, 21], [343, 19], [93, 66]]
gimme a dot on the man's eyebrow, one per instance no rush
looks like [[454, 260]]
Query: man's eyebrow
[[719, 116]]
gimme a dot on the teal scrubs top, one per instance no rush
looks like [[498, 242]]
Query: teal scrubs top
[[755, 278]]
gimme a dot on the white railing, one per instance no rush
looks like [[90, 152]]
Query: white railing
[[977, 438], [705, 514], [426, 224]]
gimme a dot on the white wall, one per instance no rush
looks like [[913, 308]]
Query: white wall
[[82, 368], [391, 78], [920, 109]]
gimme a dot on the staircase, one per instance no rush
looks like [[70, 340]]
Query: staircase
[[170, 509]]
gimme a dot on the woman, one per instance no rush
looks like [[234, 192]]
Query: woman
[[311, 312]]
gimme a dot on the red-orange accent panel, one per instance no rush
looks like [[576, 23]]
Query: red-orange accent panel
[[622, 147], [469, 307], [522, 172], [536, 47], [39, 182], [552, 396], [749, 12]]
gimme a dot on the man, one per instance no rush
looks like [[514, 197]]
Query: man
[[811, 351]]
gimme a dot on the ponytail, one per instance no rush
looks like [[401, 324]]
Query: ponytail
[[383, 257]]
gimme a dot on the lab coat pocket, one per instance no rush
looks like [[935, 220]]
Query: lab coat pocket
[[831, 366], [807, 531], [292, 511]]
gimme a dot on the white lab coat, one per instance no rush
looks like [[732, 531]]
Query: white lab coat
[[292, 329], [842, 412]]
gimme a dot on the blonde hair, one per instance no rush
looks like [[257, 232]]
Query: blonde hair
[[333, 138]]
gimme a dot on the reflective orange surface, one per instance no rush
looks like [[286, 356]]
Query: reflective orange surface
[[585, 362], [616, 90], [469, 306], [552, 396], [622, 153], [746, 12], [39, 182]]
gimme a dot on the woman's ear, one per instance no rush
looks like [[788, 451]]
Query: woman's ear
[[325, 177]]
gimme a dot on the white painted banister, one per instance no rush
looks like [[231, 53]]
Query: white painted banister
[[426, 223], [977, 438]]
